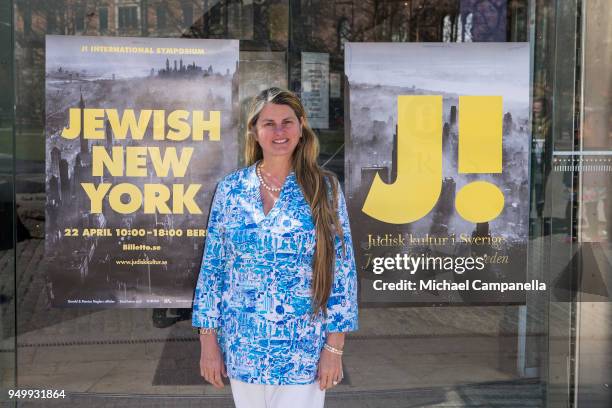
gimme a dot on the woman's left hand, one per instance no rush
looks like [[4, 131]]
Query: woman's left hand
[[330, 369]]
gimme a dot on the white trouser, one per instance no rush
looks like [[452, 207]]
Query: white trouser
[[277, 396]]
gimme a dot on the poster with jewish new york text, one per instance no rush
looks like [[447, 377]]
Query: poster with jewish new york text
[[138, 133]]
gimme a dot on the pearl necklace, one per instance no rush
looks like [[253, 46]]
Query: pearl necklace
[[263, 183]]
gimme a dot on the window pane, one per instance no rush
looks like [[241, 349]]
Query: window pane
[[430, 354], [161, 17], [51, 21], [103, 16], [187, 14], [128, 17], [79, 19]]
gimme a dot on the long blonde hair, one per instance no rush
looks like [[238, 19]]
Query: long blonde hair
[[313, 180]]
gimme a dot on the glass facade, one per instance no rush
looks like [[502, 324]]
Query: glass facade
[[553, 351]]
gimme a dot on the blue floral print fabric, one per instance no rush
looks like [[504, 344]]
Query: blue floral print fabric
[[255, 282]]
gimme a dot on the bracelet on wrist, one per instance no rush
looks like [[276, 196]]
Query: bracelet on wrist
[[336, 346], [206, 330], [333, 350]]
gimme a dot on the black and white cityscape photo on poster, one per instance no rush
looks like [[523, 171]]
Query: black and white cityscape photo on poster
[[138, 133], [437, 171]]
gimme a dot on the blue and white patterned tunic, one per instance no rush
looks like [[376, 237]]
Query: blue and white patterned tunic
[[255, 282]]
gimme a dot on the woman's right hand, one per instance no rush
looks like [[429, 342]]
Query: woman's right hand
[[211, 361]]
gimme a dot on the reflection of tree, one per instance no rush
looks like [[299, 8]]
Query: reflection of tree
[[387, 20], [325, 26], [454, 29], [344, 33]]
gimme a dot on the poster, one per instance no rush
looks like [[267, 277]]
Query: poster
[[315, 88], [138, 133], [437, 179]]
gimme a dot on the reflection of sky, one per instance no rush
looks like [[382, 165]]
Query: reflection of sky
[[461, 68], [65, 51]]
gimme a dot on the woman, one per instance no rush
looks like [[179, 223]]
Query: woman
[[278, 287]]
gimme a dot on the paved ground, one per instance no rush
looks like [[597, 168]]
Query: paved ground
[[400, 357]]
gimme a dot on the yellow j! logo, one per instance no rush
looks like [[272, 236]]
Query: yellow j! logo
[[419, 160]]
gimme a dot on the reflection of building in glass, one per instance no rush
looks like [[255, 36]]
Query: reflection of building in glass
[[325, 27], [182, 70]]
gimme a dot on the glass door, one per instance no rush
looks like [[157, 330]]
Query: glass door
[[552, 350]]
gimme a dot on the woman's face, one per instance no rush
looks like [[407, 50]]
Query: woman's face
[[278, 130]]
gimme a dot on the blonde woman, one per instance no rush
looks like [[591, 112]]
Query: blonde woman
[[277, 289]]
